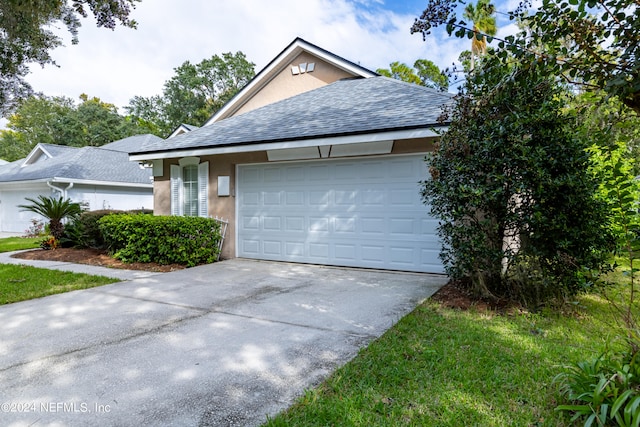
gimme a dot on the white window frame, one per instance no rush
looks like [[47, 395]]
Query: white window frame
[[177, 190]]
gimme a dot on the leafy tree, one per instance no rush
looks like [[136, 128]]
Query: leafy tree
[[592, 43], [55, 210], [512, 190], [400, 71], [430, 75], [26, 36], [148, 114], [58, 120], [424, 73], [194, 93], [12, 147]]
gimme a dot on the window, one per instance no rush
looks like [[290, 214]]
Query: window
[[190, 190], [190, 187]]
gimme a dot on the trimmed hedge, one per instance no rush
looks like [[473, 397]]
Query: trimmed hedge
[[187, 241]]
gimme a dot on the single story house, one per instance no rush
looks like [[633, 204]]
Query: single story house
[[317, 160], [97, 177]]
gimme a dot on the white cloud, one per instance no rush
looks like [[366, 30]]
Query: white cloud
[[117, 65]]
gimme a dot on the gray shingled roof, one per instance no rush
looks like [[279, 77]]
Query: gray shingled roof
[[86, 163], [131, 143], [345, 107]]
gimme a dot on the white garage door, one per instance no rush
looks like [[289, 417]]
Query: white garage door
[[348, 212]]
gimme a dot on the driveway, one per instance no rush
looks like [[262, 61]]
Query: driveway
[[216, 345]]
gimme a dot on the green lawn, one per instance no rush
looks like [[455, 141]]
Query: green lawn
[[21, 283], [10, 244], [444, 367]]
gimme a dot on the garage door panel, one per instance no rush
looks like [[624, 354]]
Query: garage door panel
[[348, 212], [295, 223], [250, 247], [295, 173], [294, 198], [318, 173]]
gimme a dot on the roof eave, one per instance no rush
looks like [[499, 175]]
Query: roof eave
[[63, 180], [324, 140]]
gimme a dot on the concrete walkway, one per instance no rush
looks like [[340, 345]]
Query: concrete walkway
[[6, 258], [216, 345]]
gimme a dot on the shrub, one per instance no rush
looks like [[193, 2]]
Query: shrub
[[36, 229], [49, 243], [84, 231], [512, 192], [163, 239]]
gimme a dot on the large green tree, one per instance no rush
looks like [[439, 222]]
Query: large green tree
[[27, 36], [512, 189], [194, 93], [592, 43], [424, 73], [59, 120]]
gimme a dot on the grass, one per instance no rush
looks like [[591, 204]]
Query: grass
[[10, 244], [445, 367], [21, 283]]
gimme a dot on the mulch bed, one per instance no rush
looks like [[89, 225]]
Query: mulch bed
[[93, 257]]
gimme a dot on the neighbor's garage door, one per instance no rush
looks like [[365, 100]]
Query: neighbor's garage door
[[348, 212]]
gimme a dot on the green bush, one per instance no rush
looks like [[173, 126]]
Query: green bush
[[84, 232], [163, 239], [604, 391]]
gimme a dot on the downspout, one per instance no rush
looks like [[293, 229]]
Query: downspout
[[63, 192]]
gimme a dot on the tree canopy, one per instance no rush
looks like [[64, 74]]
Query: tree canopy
[[59, 120], [194, 93], [424, 73], [592, 43], [26, 36]]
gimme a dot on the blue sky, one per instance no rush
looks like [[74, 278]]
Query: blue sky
[[118, 65]]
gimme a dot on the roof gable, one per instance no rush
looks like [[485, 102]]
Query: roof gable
[[300, 67], [43, 152], [182, 128]]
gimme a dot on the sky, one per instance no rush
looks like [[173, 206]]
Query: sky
[[120, 64]]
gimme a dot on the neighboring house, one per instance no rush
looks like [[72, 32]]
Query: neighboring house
[[317, 160], [98, 177]]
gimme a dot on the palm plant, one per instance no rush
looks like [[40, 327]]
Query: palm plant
[[484, 24], [55, 210]]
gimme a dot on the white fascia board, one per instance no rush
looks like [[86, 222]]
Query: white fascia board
[[313, 142], [24, 184], [101, 183], [347, 66]]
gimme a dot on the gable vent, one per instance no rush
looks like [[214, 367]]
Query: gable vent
[[303, 67]]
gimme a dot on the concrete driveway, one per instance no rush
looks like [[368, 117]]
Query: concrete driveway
[[217, 345]]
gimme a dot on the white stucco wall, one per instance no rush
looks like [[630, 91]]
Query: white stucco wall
[[13, 220], [121, 198]]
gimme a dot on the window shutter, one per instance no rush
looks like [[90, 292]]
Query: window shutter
[[176, 190], [203, 189]]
